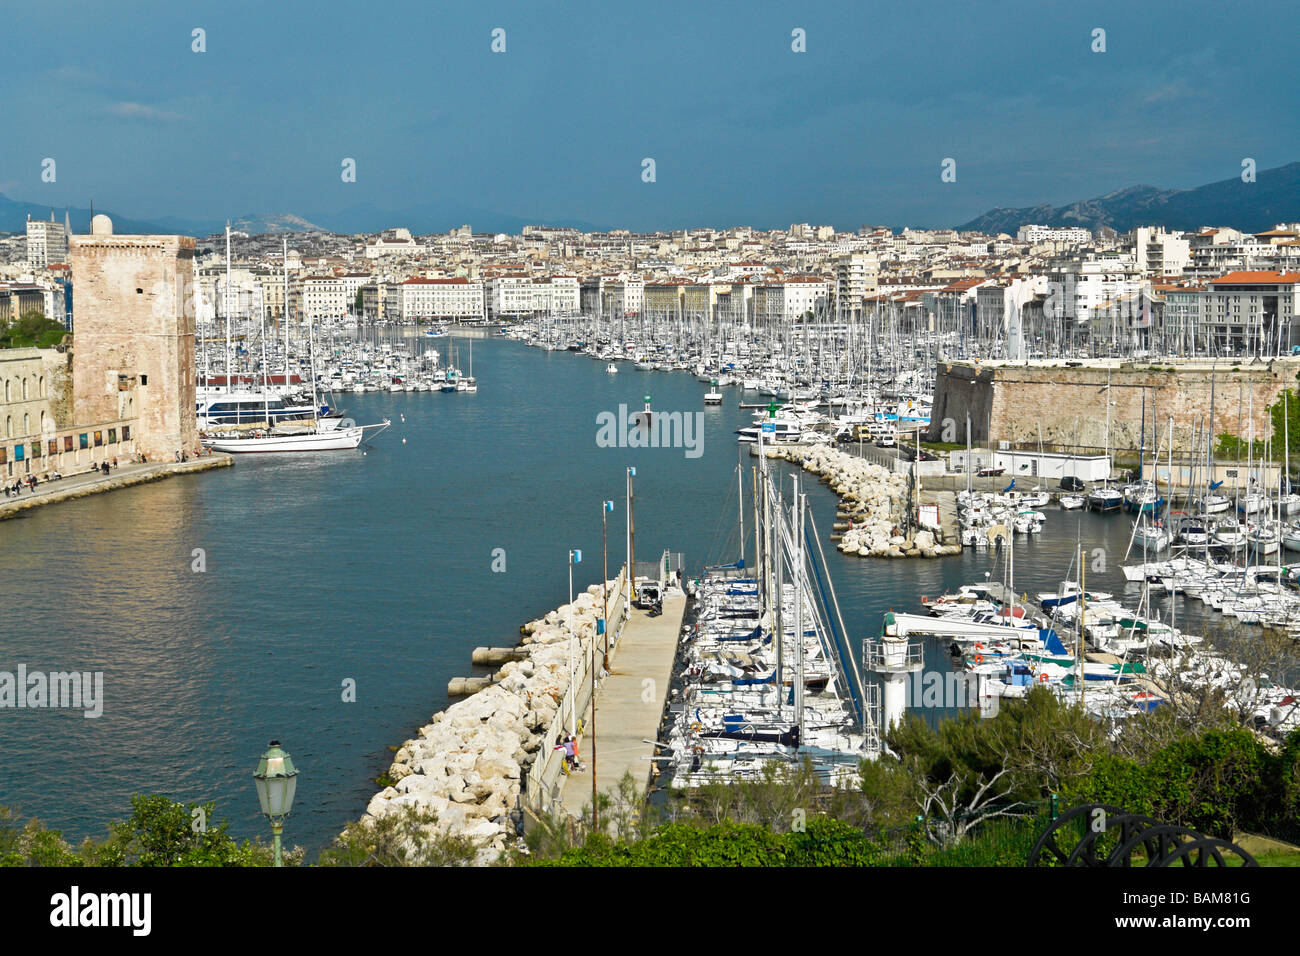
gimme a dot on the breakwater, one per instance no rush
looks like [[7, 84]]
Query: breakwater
[[473, 763], [873, 505]]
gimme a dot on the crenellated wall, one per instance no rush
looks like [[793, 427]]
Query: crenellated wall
[[1102, 405]]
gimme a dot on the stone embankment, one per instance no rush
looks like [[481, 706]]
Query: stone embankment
[[873, 501], [468, 762], [92, 483]]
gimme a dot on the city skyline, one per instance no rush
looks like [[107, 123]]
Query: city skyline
[[556, 127]]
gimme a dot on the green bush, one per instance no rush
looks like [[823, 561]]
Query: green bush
[[31, 330]]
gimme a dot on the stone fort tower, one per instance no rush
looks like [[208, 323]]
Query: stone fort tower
[[133, 349]]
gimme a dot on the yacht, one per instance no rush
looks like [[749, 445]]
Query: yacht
[[1150, 536], [1105, 499], [243, 408], [784, 430]]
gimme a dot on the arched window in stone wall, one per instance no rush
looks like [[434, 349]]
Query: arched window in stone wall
[[27, 424], [24, 387], [7, 398], [9, 426], [42, 386]]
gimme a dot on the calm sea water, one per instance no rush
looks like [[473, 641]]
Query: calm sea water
[[374, 567]]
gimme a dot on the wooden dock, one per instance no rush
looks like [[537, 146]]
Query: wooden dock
[[629, 706]]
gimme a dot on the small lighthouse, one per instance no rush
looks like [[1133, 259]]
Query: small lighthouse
[[643, 418], [893, 659]]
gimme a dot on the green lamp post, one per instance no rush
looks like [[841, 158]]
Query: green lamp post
[[276, 778]]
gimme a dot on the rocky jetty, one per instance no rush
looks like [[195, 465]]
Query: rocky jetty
[[873, 501], [467, 764]]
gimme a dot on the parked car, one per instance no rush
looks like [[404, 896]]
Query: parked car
[[990, 472], [1071, 483]]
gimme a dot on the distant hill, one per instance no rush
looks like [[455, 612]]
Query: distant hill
[[1252, 207], [14, 213], [422, 218]]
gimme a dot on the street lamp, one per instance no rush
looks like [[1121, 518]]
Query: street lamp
[[575, 557], [276, 778], [603, 628], [631, 568]]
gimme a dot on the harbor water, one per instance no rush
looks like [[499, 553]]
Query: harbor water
[[229, 608]]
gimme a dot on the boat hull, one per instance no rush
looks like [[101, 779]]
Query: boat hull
[[340, 439]]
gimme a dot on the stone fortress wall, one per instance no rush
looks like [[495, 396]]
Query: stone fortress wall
[[1102, 404]]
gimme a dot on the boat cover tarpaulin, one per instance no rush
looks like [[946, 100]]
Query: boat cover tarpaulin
[[1051, 641]]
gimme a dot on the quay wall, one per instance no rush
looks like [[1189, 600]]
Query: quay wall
[[134, 475], [1070, 404]]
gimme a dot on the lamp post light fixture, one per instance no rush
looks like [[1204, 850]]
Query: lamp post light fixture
[[631, 567], [277, 779]]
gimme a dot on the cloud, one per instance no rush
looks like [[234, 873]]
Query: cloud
[[142, 111], [1176, 90], [75, 76]]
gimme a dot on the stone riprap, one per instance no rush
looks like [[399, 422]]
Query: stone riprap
[[466, 764], [873, 500]]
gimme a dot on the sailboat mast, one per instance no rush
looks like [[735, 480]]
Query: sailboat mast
[[226, 309], [284, 311]]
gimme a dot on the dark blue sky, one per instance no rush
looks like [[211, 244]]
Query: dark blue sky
[[742, 129]]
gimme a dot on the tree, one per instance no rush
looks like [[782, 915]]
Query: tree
[[31, 330], [160, 832], [952, 809]]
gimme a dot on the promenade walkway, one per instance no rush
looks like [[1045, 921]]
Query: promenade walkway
[[628, 709], [89, 483]]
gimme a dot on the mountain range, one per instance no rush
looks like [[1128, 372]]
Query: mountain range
[[1251, 207], [421, 218]]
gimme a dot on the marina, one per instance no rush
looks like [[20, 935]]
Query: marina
[[373, 583]]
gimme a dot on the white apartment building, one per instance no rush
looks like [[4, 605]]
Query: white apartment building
[[47, 243], [791, 297], [1215, 252], [352, 283], [419, 298], [215, 298], [394, 242], [1160, 253], [1078, 291], [321, 297], [1033, 234], [527, 295], [856, 276], [999, 309]]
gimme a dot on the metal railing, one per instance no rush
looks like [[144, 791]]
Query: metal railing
[[543, 782], [891, 656]]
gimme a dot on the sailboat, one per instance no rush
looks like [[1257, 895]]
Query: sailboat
[[470, 384], [296, 436]]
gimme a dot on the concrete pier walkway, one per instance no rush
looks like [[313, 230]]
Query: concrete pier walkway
[[89, 483], [628, 709]]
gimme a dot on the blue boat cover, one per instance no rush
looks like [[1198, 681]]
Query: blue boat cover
[[1051, 641]]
